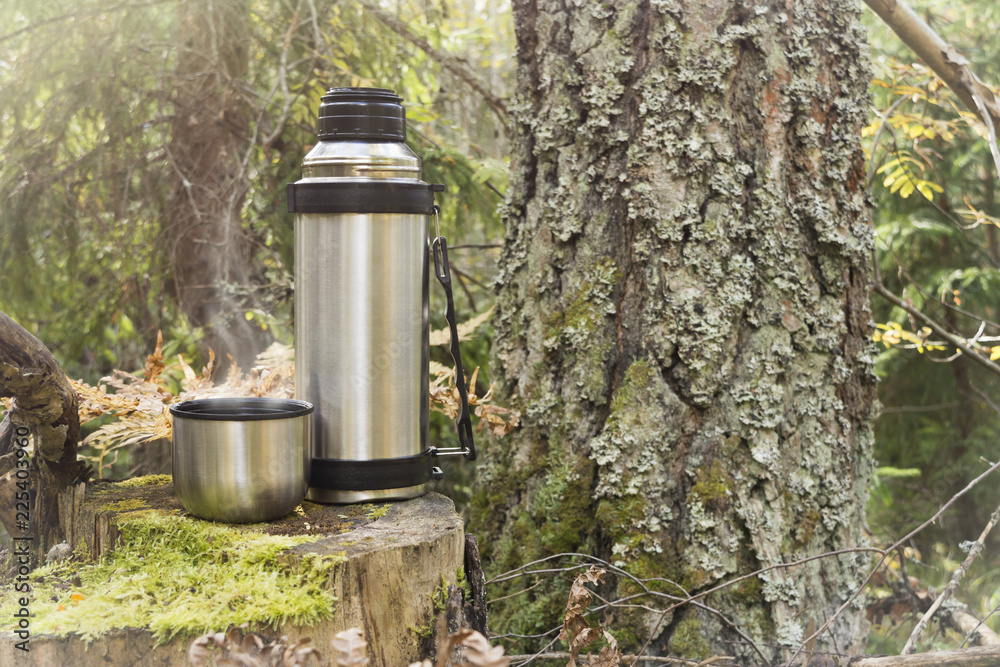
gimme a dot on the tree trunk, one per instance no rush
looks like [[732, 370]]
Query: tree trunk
[[209, 135], [683, 315], [38, 503]]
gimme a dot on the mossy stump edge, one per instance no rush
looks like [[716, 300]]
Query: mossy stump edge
[[388, 559]]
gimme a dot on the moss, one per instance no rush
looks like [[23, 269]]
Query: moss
[[126, 505], [374, 512], [749, 591], [666, 574], [805, 528], [562, 510], [637, 380], [439, 599], [180, 577], [148, 480], [713, 486], [688, 641], [463, 583]]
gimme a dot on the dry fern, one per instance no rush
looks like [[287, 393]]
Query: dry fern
[[578, 632], [139, 404], [445, 399]]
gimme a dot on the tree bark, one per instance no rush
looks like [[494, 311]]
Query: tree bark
[[44, 408], [209, 133], [683, 317]]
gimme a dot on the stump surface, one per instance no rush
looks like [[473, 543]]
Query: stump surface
[[396, 556]]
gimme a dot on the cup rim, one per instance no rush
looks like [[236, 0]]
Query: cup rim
[[241, 408]]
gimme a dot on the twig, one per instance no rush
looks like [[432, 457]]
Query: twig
[[677, 600], [507, 597], [885, 555], [956, 577], [561, 655], [984, 656], [941, 57], [70, 16], [884, 121], [283, 77], [935, 327], [456, 66], [991, 132]]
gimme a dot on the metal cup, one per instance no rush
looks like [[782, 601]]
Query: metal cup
[[241, 460]]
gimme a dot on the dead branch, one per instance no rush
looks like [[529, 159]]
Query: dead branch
[[452, 64], [901, 541], [974, 630], [718, 660], [983, 656], [44, 401], [944, 59], [956, 577]]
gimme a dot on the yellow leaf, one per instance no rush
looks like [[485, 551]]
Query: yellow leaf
[[76, 597], [995, 353]]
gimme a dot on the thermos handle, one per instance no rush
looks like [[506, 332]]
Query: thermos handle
[[439, 248]]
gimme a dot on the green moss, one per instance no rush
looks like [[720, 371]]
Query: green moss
[[463, 583], [749, 591], [713, 486], [688, 641], [616, 515], [563, 510], [635, 385], [126, 505], [376, 512], [157, 480], [180, 577], [439, 599]]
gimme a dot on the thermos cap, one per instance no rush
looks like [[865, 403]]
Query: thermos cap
[[366, 114]]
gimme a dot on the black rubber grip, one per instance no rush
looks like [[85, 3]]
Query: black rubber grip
[[352, 197], [350, 475]]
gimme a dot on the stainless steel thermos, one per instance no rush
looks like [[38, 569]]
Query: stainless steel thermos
[[362, 261]]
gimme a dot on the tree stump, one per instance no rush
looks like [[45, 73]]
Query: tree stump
[[394, 561], [37, 500]]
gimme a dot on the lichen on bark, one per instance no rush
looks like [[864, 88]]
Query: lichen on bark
[[682, 314]]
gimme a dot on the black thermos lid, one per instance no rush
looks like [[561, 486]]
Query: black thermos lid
[[352, 114]]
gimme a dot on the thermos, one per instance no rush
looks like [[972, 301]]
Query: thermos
[[362, 261]]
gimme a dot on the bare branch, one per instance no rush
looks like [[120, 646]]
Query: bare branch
[[456, 66], [956, 577], [958, 342], [985, 656], [943, 58], [901, 541], [563, 656]]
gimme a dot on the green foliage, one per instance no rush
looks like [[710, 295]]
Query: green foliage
[[933, 182], [87, 171], [939, 250]]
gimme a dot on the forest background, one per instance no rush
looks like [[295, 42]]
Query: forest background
[[101, 111]]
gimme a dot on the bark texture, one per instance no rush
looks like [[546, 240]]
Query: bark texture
[[43, 421], [683, 315], [210, 132]]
